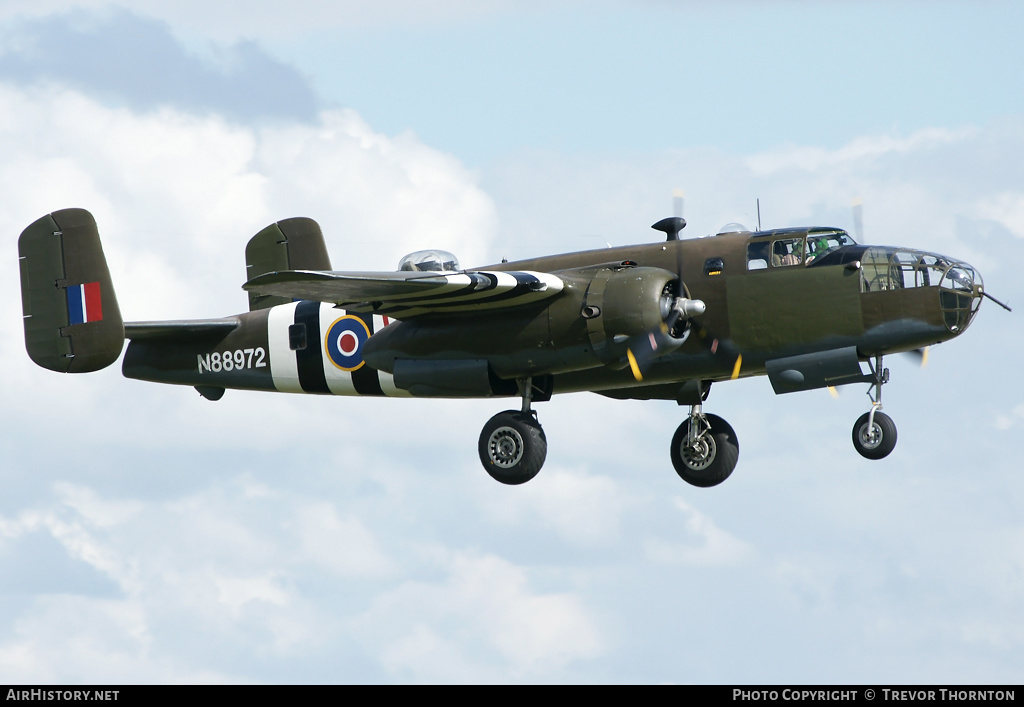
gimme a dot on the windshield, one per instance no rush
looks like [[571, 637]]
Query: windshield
[[795, 246], [822, 242]]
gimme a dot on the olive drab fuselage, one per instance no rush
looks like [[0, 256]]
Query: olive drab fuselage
[[775, 312]]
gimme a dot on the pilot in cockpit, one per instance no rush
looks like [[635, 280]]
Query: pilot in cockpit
[[786, 252]]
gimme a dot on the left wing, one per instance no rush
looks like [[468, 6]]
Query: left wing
[[407, 294]]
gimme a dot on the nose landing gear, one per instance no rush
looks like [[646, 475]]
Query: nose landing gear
[[874, 433]]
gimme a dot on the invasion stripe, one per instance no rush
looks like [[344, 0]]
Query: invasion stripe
[[365, 379], [310, 359], [282, 359]]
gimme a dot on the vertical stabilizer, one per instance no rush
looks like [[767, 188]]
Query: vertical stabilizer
[[72, 321], [292, 244]]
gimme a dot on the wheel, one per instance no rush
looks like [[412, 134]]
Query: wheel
[[512, 447], [711, 460], [877, 442]]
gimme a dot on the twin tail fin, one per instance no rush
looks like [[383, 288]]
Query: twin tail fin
[[72, 321]]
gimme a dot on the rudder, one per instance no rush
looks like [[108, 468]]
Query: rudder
[[72, 321]]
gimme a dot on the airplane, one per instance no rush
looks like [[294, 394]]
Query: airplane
[[804, 306]]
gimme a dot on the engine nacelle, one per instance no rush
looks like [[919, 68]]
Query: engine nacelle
[[626, 300]]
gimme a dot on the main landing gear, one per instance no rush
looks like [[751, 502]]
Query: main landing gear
[[512, 444], [704, 449], [513, 447], [874, 433]]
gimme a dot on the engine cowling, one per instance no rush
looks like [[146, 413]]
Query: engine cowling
[[625, 301]]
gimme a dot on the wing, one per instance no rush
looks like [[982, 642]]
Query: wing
[[408, 294]]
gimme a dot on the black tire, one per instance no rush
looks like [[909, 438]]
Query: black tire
[[714, 459], [512, 447], [879, 444]]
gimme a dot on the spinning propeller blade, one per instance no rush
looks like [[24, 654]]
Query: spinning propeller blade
[[644, 348], [921, 355]]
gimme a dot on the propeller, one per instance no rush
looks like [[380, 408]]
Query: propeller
[[858, 219], [721, 351], [667, 336], [920, 355], [642, 349]]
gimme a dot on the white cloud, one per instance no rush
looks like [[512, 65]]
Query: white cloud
[[201, 563], [1014, 418], [1007, 209], [342, 544], [177, 196], [810, 159], [484, 614], [702, 542], [579, 508]]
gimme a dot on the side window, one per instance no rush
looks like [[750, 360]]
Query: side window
[[297, 337], [789, 251], [714, 266], [757, 255]]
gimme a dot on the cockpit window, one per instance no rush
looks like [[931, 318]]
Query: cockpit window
[[795, 246], [757, 255], [821, 242], [892, 269], [788, 251], [895, 269]]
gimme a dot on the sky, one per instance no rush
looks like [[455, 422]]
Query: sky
[[148, 535]]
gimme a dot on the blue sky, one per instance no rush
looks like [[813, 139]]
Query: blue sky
[[149, 535], [650, 76]]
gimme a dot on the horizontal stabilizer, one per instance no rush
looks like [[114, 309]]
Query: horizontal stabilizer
[[187, 330], [406, 294], [72, 321]]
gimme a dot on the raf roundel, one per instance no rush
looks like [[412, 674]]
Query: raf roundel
[[344, 342]]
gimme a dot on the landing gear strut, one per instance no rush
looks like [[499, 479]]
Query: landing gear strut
[[512, 444], [704, 449], [874, 433]]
